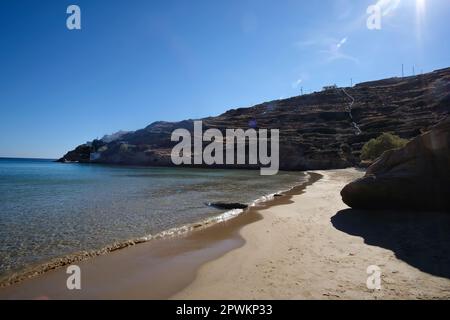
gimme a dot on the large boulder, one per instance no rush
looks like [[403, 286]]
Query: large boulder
[[415, 177]]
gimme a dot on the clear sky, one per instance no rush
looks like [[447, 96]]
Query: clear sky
[[135, 62]]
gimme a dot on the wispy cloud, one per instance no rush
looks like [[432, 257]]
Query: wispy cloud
[[337, 55], [313, 42], [297, 83], [342, 42], [335, 51], [388, 6], [331, 48]]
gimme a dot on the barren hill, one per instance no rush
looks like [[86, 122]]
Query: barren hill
[[317, 131]]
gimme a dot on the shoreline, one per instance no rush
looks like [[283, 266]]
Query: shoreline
[[212, 237], [305, 245], [317, 248]]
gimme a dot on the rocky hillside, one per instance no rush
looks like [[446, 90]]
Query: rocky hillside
[[317, 131]]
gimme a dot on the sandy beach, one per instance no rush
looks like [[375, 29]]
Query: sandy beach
[[306, 244], [304, 250]]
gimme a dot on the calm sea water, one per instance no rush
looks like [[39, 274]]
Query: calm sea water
[[49, 209]]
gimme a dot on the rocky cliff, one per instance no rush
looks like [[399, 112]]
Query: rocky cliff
[[322, 130]]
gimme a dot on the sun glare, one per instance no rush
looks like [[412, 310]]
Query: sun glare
[[420, 6], [420, 16]]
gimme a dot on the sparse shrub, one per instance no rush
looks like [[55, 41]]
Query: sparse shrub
[[375, 147]]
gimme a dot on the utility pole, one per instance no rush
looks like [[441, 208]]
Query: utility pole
[[414, 71], [301, 90], [403, 73], [351, 82]]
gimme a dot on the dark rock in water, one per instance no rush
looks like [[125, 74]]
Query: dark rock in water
[[227, 206], [316, 131], [416, 177]]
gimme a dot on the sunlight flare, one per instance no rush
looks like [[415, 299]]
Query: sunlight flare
[[420, 8], [420, 17]]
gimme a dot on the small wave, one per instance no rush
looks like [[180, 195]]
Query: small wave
[[60, 262]]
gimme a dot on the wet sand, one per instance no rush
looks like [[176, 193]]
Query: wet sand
[[157, 269], [317, 248]]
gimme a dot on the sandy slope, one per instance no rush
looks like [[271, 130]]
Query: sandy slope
[[297, 252]]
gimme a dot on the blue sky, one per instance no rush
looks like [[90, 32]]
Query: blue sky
[[135, 62]]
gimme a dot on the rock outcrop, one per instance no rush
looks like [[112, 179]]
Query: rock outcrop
[[80, 154], [227, 206], [316, 130], [416, 177]]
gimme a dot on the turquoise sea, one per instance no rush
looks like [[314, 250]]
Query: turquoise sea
[[50, 210]]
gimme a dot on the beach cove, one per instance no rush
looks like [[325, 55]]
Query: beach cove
[[294, 247]]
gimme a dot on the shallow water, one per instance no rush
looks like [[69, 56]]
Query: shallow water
[[49, 209]]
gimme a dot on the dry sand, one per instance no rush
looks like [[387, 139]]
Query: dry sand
[[314, 248]]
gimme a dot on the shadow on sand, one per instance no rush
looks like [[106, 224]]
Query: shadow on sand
[[421, 239]]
